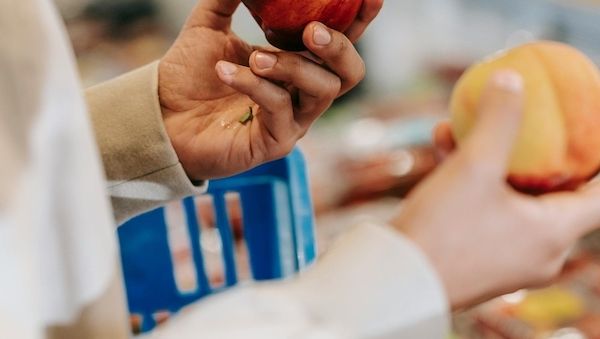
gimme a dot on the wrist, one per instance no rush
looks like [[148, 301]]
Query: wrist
[[171, 90], [456, 285]]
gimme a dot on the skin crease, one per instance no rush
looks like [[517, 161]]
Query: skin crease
[[508, 240], [284, 20], [202, 104]]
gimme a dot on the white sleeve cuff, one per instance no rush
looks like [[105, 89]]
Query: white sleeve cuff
[[150, 191], [374, 283]]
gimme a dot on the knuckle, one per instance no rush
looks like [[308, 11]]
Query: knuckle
[[343, 45], [337, 49], [292, 66], [359, 72], [282, 99], [255, 82], [333, 89]]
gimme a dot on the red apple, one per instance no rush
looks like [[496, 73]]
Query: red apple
[[283, 21]]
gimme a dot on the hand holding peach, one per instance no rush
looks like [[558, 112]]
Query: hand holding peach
[[558, 144], [484, 238]]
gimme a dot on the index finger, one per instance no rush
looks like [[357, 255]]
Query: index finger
[[368, 12]]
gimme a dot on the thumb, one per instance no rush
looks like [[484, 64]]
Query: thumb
[[500, 112], [215, 14]]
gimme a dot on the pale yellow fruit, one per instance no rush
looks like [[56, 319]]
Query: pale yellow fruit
[[558, 145]]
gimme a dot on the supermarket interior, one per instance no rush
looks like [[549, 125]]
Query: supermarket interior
[[374, 145]]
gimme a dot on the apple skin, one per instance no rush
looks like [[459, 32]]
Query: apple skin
[[283, 21], [558, 144]]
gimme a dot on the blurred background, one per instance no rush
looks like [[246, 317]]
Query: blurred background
[[374, 145]]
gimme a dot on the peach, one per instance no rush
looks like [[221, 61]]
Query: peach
[[558, 144]]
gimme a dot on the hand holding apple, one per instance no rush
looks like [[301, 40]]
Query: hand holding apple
[[283, 21], [484, 238], [228, 106]]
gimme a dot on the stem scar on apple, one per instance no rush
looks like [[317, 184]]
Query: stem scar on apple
[[247, 117]]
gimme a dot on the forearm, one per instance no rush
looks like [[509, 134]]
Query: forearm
[[141, 166], [377, 284], [372, 284]]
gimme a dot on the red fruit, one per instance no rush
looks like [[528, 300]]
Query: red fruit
[[283, 21]]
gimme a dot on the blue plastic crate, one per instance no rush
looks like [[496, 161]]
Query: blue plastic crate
[[279, 233]]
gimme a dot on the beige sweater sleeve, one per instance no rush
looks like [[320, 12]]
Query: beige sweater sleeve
[[141, 166]]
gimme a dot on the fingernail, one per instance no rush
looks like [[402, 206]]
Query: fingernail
[[508, 80], [265, 60], [226, 68], [321, 36]]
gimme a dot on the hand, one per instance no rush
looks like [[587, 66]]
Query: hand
[[484, 238], [210, 79]]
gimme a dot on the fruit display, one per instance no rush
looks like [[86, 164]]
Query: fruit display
[[556, 147], [283, 21]]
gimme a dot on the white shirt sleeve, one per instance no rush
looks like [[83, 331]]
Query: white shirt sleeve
[[372, 284]]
